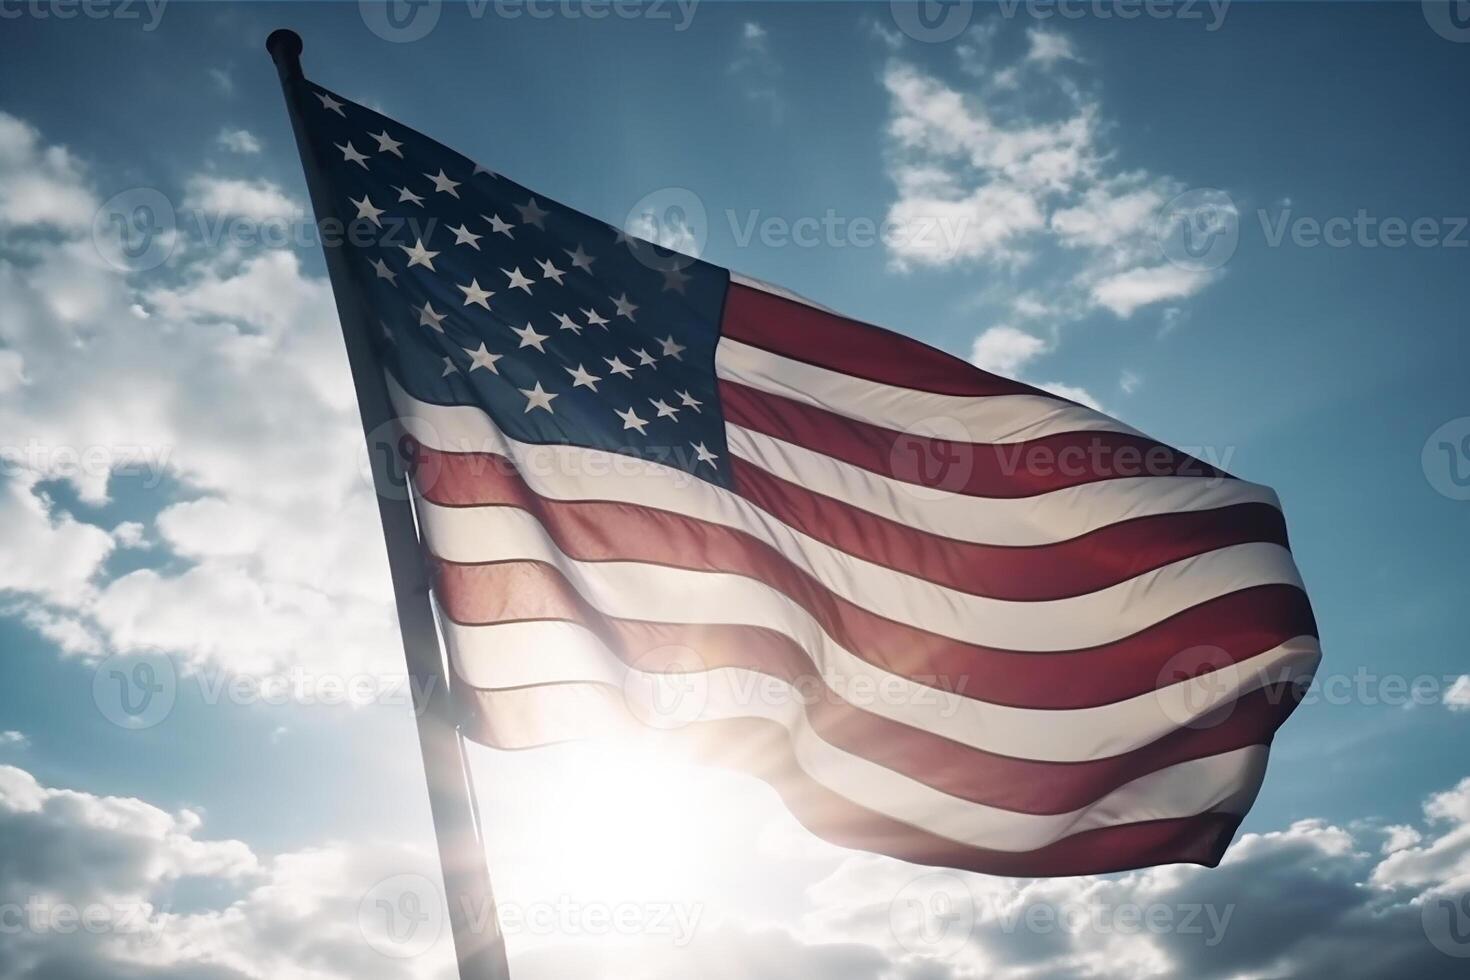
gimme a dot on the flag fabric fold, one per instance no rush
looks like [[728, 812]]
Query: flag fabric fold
[[945, 615]]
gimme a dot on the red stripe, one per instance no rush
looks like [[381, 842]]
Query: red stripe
[[1022, 469], [1086, 563], [1241, 624], [763, 749], [827, 340]]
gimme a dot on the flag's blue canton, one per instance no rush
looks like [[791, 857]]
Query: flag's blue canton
[[561, 327]]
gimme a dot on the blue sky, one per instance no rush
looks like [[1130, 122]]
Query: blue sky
[[1319, 353]]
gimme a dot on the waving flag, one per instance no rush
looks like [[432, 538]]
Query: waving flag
[[949, 617]]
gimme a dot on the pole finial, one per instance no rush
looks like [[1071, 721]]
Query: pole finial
[[285, 49]]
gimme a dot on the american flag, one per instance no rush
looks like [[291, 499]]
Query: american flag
[[947, 616]]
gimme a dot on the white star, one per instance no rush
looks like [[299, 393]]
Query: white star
[[705, 456], [449, 368], [518, 281], [567, 323], [631, 420], [582, 377], [463, 236], [549, 271], [674, 279], [529, 338], [366, 210], [330, 103], [482, 358], [474, 294], [350, 154], [498, 225], [644, 359], [483, 170], [616, 365], [387, 334], [593, 320], [428, 318], [664, 409], [580, 259], [418, 255], [381, 268], [406, 196], [688, 400], [537, 398], [672, 349], [387, 144], [532, 214], [625, 308], [443, 183]]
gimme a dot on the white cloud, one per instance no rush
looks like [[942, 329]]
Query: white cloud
[[1457, 697], [1126, 292], [130, 534], [1005, 350], [1399, 837], [1129, 381], [43, 184], [257, 200], [757, 71], [1049, 47], [13, 738], [237, 141], [235, 386]]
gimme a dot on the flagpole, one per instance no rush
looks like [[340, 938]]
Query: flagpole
[[479, 946]]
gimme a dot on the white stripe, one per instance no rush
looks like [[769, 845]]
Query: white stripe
[[482, 534], [1046, 518], [632, 590], [982, 419], [576, 473], [1225, 782]]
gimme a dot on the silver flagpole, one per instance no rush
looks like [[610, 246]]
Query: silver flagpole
[[479, 946]]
